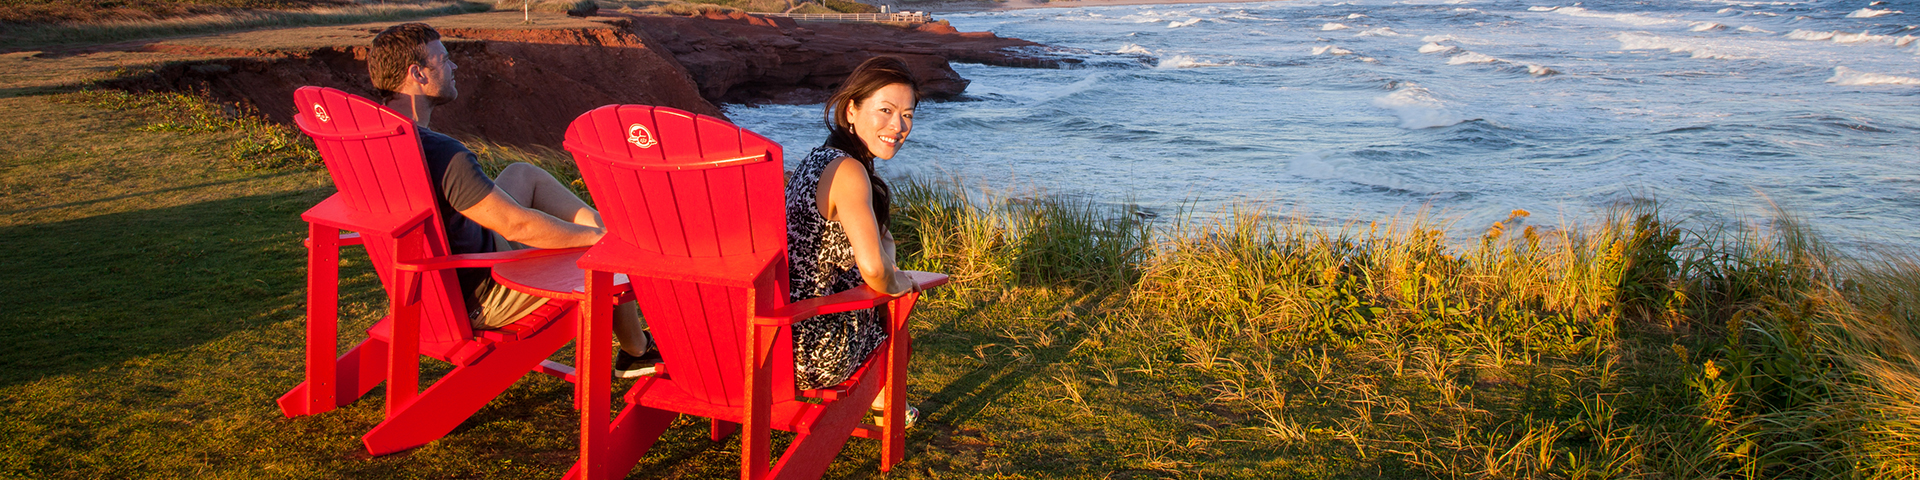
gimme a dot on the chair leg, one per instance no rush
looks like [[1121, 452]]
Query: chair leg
[[893, 434], [632, 434], [357, 372], [812, 451], [721, 429], [460, 393]]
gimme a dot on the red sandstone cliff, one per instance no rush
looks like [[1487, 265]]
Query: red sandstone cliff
[[522, 85], [740, 58]]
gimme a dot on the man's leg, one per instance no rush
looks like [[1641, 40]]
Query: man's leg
[[536, 189], [627, 326], [630, 329]]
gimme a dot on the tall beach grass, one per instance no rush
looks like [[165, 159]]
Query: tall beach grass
[[1630, 347]]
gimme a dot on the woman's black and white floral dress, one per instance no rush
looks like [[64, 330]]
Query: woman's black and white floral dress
[[828, 348]]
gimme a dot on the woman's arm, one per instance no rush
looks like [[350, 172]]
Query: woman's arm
[[846, 196]]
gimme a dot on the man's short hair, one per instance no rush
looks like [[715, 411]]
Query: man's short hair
[[395, 49]]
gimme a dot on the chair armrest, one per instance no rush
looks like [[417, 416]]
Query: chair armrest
[[345, 240], [860, 298], [334, 212], [612, 255], [480, 260]]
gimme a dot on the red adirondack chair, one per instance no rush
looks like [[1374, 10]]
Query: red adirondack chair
[[696, 217], [374, 157]]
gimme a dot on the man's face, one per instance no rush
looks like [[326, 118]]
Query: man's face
[[436, 77]]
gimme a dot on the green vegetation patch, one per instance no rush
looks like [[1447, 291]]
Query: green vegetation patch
[[261, 145]]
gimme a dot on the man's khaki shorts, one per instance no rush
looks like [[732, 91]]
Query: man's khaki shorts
[[499, 305]]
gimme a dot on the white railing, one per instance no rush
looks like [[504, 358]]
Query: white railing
[[896, 17]]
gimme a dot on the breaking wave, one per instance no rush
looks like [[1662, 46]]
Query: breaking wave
[[1848, 76], [1417, 108], [1691, 47], [1870, 13], [1331, 50], [1471, 57]]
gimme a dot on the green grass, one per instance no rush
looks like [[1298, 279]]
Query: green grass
[[32, 30], [153, 291]]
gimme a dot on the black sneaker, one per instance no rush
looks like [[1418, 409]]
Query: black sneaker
[[629, 366]]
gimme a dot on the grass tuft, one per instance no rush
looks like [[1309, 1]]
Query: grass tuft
[[262, 145]]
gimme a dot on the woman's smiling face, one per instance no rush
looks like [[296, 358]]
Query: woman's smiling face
[[882, 120]]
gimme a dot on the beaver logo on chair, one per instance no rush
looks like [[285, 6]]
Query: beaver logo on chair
[[638, 135], [321, 113]]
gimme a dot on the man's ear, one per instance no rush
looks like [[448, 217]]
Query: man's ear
[[416, 74]]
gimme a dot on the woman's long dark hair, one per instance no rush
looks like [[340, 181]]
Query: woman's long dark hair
[[871, 76]]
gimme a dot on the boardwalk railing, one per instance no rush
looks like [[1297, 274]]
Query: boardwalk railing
[[896, 17]]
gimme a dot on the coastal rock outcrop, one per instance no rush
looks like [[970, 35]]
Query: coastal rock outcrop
[[740, 58], [521, 83], [517, 86]]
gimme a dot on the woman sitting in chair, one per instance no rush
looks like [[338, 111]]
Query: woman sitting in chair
[[837, 212]]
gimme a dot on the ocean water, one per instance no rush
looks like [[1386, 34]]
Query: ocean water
[[1345, 112]]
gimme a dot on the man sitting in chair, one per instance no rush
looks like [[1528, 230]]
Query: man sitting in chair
[[523, 207]]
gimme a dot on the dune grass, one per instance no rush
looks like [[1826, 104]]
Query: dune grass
[[153, 291]]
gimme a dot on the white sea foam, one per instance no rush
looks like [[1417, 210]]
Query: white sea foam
[[1627, 18], [1331, 50], [1133, 48], [1753, 29], [1471, 57], [1183, 61], [1352, 16], [1706, 27], [1380, 32], [1541, 70], [1417, 108], [1870, 13], [1845, 37], [1447, 37], [1188, 23], [1541, 9], [1333, 26], [1436, 48], [1848, 76], [1693, 47]]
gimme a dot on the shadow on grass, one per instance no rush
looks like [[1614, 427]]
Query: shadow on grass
[[137, 195], [92, 292], [962, 400]]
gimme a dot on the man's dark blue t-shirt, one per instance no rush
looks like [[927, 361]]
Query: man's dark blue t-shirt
[[458, 184]]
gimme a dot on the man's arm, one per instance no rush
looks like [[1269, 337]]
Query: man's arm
[[534, 228]]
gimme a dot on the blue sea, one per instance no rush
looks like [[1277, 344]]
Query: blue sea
[[1354, 112]]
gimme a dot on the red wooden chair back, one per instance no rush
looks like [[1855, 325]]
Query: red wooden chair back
[[687, 194], [373, 154]]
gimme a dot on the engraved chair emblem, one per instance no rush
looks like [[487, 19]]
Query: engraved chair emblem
[[638, 135]]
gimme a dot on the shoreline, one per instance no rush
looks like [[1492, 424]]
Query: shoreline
[[1010, 5]]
